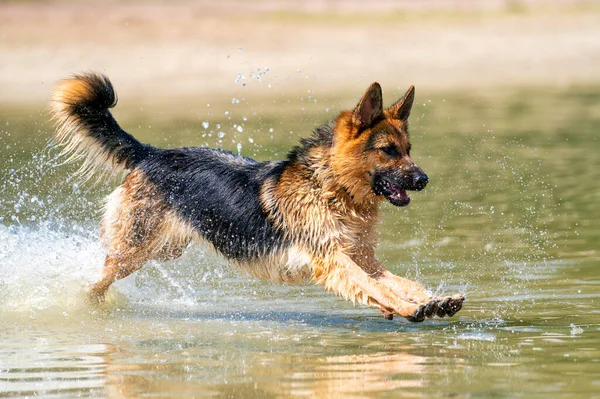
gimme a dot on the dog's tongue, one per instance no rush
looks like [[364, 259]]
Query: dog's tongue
[[400, 195]]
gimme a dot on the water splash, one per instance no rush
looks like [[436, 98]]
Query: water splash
[[46, 268]]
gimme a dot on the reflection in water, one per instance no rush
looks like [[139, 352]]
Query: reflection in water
[[361, 373], [272, 375], [49, 368]]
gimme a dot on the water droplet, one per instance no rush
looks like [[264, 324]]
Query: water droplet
[[575, 330]]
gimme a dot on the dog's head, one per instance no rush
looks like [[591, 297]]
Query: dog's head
[[371, 149]]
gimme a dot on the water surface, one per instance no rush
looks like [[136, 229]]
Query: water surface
[[509, 218]]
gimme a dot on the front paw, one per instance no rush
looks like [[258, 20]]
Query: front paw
[[440, 307]]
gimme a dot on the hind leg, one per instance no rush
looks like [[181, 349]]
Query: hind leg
[[116, 267], [138, 226]]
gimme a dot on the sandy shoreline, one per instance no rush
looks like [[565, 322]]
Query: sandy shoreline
[[161, 51]]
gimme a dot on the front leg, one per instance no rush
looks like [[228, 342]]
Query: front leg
[[429, 305], [390, 293], [342, 275], [414, 292]]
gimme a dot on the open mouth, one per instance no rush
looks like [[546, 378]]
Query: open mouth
[[394, 194]]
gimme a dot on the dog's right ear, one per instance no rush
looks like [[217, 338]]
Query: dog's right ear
[[401, 109], [369, 108]]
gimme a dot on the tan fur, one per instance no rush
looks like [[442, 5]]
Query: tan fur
[[290, 266]]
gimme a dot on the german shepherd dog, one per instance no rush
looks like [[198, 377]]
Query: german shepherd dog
[[311, 217]]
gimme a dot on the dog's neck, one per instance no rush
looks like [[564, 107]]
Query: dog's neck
[[314, 158]]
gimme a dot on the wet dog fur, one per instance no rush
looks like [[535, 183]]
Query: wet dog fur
[[311, 217]]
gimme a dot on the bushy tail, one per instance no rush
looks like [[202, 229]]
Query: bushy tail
[[87, 129]]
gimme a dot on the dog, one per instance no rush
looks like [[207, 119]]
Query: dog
[[310, 217]]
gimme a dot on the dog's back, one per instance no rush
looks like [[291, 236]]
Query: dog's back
[[218, 194]]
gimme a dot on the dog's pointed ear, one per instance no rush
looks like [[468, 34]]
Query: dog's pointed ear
[[401, 109], [369, 108]]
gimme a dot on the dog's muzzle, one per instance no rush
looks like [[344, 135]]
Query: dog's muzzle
[[393, 186]]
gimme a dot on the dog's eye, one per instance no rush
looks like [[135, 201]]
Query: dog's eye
[[390, 151]]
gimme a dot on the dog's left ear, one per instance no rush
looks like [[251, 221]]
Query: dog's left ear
[[369, 108], [401, 109]]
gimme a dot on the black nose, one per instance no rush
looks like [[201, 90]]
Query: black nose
[[420, 181]]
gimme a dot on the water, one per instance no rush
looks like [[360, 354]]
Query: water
[[509, 218]]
